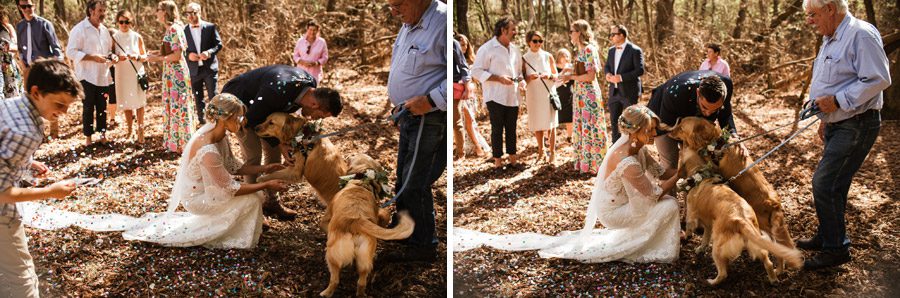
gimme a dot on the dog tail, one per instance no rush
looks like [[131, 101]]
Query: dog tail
[[402, 231], [792, 257]]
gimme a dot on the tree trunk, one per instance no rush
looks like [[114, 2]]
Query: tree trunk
[[763, 11], [775, 7], [330, 6], [870, 12], [519, 3], [538, 14], [665, 20], [590, 10], [629, 9], [462, 16], [891, 108], [703, 10], [741, 16], [531, 16], [795, 6], [565, 11], [648, 27], [504, 6], [488, 26], [60, 7]]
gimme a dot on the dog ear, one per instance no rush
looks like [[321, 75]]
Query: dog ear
[[287, 131], [710, 131]]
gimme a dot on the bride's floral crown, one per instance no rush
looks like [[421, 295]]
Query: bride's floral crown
[[624, 123]]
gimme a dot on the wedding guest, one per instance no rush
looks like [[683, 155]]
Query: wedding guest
[[36, 38], [624, 68], [420, 88], [539, 73], [90, 47], [311, 52], [590, 135], [849, 77], [714, 62], [52, 87], [498, 66], [469, 106], [203, 46], [132, 53], [564, 90], [10, 68], [180, 118], [701, 93]]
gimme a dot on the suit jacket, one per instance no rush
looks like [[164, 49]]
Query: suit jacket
[[209, 41], [631, 68], [677, 98], [269, 89]]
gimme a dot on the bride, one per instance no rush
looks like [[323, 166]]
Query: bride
[[221, 212], [641, 222]]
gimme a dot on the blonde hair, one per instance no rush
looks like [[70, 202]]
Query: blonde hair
[[563, 52], [171, 10], [223, 106], [637, 117], [587, 35]]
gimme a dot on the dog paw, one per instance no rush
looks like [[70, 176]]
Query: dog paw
[[326, 293], [700, 249], [712, 282], [263, 178]]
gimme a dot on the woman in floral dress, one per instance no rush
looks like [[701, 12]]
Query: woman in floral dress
[[589, 138], [180, 117]]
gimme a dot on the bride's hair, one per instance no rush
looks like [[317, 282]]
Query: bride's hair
[[223, 106], [637, 117]]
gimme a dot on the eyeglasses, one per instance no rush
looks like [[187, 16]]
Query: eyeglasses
[[537, 41], [190, 12], [572, 31], [124, 22], [26, 6], [614, 34]]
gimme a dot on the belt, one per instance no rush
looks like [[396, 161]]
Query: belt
[[860, 116]]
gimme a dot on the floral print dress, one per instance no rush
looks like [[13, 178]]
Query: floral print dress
[[589, 121], [180, 115]]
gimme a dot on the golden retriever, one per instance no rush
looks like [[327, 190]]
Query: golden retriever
[[697, 133], [729, 221], [322, 165], [357, 224]]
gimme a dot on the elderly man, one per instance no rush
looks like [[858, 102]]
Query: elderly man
[[203, 44], [849, 75], [498, 65], [270, 89], [417, 84], [90, 47]]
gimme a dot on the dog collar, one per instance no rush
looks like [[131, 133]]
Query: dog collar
[[714, 149], [300, 141], [371, 178], [707, 172]]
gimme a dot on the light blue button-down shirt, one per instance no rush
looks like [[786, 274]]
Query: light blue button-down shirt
[[853, 67], [419, 59]]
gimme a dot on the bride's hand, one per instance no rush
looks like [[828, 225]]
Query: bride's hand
[[276, 185]]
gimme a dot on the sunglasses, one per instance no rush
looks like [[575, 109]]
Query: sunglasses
[[26, 6], [124, 22], [537, 41]]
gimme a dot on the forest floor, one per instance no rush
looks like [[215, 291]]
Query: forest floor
[[290, 258], [549, 199]]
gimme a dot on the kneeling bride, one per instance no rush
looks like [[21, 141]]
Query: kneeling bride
[[221, 212], [641, 222]]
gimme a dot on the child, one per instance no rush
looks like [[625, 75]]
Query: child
[[51, 87]]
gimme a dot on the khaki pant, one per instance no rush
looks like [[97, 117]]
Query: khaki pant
[[254, 148], [17, 275], [458, 140]]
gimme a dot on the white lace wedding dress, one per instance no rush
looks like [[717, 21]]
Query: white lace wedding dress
[[204, 185], [637, 227]]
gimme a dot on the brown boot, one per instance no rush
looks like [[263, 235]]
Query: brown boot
[[274, 209]]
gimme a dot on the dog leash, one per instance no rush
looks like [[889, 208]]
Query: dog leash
[[770, 151], [395, 118], [806, 113]]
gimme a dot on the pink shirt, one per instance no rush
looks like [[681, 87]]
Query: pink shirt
[[318, 52], [721, 67]]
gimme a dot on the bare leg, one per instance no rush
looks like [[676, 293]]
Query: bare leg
[[470, 130], [140, 126], [129, 118], [539, 135], [552, 145]]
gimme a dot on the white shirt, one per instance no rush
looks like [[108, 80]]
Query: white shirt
[[195, 33], [493, 58], [618, 56], [85, 39]]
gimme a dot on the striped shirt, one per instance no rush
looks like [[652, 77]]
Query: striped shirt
[[21, 132]]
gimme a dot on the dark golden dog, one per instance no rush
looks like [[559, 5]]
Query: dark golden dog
[[356, 225], [729, 221], [697, 133]]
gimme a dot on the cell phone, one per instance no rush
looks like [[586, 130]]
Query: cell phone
[[85, 181]]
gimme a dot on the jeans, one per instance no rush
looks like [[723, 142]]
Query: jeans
[[503, 118], [197, 87], [429, 166], [847, 143], [94, 103]]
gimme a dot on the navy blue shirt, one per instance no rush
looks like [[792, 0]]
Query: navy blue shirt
[[677, 98], [460, 69], [43, 39]]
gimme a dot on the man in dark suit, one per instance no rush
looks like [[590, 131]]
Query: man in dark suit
[[701, 93], [277, 88], [624, 68], [203, 44]]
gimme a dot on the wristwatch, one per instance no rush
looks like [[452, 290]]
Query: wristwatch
[[836, 104], [430, 101]]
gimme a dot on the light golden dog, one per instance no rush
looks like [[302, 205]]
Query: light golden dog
[[322, 165], [697, 133], [357, 224], [729, 221]]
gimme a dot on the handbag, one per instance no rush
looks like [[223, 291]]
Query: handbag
[[142, 79], [458, 90], [554, 98]]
